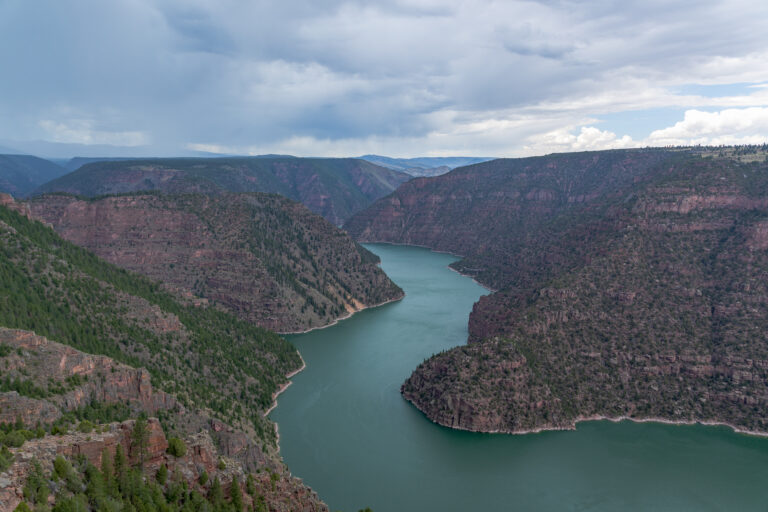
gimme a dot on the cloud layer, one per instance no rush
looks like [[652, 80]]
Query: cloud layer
[[405, 78]]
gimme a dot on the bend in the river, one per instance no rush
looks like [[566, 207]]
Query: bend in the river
[[348, 433]]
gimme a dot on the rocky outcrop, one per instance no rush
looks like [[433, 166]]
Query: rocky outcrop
[[264, 258], [205, 356], [14, 407], [283, 493], [70, 379], [65, 379], [8, 201]]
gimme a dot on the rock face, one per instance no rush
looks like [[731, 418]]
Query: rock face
[[286, 494], [8, 201], [69, 379], [266, 259], [332, 187], [65, 379], [633, 287]]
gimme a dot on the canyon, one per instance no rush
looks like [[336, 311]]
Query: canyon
[[630, 284]]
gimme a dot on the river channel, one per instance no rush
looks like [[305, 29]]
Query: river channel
[[345, 429]]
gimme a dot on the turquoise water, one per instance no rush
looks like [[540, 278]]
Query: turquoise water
[[345, 429]]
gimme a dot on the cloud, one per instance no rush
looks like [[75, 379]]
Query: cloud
[[82, 131], [408, 77], [730, 126], [726, 127]]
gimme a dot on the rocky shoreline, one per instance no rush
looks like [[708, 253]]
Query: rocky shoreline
[[345, 317], [585, 419]]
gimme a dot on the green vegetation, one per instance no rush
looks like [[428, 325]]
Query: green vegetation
[[139, 439], [63, 292], [6, 458], [176, 447], [82, 487]]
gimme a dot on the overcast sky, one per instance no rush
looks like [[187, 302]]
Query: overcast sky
[[393, 77]]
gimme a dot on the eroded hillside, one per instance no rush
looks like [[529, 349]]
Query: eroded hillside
[[260, 256]]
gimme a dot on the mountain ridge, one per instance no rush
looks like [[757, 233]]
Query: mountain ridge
[[333, 187], [260, 256]]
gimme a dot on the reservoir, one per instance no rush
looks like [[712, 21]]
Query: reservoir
[[347, 432]]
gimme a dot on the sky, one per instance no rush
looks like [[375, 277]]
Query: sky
[[402, 78]]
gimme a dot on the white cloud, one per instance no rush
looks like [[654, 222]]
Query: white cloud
[[747, 124], [729, 126], [81, 131], [588, 138]]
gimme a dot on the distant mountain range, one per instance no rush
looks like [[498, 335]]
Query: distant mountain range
[[630, 283], [333, 187], [21, 174], [424, 166]]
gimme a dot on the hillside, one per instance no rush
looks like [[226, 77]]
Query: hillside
[[208, 358], [65, 414], [632, 283], [488, 212], [335, 188], [21, 174], [262, 257]]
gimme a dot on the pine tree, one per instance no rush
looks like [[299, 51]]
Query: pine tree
[[216, 495], [236, 495], [140, 440]]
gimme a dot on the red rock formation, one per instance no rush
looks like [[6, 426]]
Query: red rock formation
[[100, 379]]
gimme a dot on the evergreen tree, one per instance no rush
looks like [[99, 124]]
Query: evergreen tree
[[140, 440], [236, 495], [162, 474], [216, 494]]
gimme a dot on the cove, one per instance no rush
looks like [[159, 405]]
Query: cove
[[345, 429]]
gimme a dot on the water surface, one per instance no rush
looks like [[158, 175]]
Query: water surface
[[345, 429]]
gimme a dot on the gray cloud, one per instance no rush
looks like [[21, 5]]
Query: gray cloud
[[257, 74]]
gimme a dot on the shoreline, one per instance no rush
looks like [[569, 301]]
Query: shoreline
[[285, 386], [478, 283], [438, 252], [345, 317], [612, 419]]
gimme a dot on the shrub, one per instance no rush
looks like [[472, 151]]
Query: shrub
[[85, 427], [14, 439], [176, 447]]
